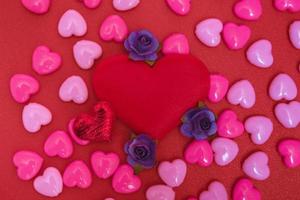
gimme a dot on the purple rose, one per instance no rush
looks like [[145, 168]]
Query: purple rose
[[142, 46], [141, 151], [199, 123]]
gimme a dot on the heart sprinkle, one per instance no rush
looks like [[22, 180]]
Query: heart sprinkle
[[208, 32], [235, 36], [260, 54], [172, 173], [289, 149], [180, 7], [162, 192], [37, 6], [248, 9], [113, 28], [104, 165], [124, 5], [176, 43], [283, 87], [60, 144], [225, 150], [216, 191], [256, 166], [245, 190]]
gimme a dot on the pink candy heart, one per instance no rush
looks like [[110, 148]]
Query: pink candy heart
[[229, 126], [248, 9], [294, 33], [162, 192], [244, 190], [44, 61], [208, 32], [288, 114], [113, 28], [218, 88], [256, 166], [216, 191], [260, 128], [243, 93], [172, 173], [50, 184], [22, 86], [85, 52], [176, 43], [36, 6], [73, 89], [60, 144], [199, 152], [72, 23], [289, 5], [34, 116], [180, 7], [92, 3], [290, 151], [124, 181], [104, 165], [283, 87], [225, 150], [28, 164], [236, 36], [123, 5], [260, 54], [77, 174]]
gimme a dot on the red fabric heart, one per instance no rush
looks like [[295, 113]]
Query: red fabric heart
[[151, 100]]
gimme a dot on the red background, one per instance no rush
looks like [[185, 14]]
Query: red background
[[21, 31]]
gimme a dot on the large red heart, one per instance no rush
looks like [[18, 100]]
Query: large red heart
[[151, 100]]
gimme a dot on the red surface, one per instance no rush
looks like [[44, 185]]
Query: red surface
[[22, 31]]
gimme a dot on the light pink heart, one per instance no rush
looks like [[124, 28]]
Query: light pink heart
[[289, 149], [248, 9], [294, 33], [124, 5], [92, 3], [235, 36], [180, 7], [225, 150], [58, 144], [162, 192], [113, 28], [245, 190], [209, 32], [104, 165], [216, 191], [172, 173], [229, 126], [288, 114], [37, 6], [77, 174], [199, 152], [287, 5], [283, 87], [256, 166], [176, 43], [218, 88], [260, 128], [260, 54]]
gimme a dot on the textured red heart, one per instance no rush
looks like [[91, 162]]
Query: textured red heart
[[151, 100]]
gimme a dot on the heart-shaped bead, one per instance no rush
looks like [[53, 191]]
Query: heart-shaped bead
[[77, 174], [288, 114], [58, 144], [242, 93], [236, 36], [260, 54], [289, 149], [162, 192], [283, 87], [35, 115], [50, 184], [37, 6], [294, 33], [92, 3], [104, 165], [74, 136], [260, 128], [229, 126], [287, 5], [218, 88], [216, 191], [225, 150], [44, 61], [176, 43], [248, 9], [85, 52], [209, 32], [113, 28], [199, 152], [180, 7], [256, 166], [172, 173], [73, 89], [124, 181], [245, 190], [72, 23], [28, 164], [22, 86], [123, 5]]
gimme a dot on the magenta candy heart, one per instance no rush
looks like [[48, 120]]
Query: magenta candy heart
[[218, 88], [50, 184], [22, 86], [260, 54], [36, 6], [172, 173], [248, 9], [289, 149], [294, 33], [123, 5], [287, 5], [225, 150], [229, 126], [243, 93], [28, 164], [236, 36], [288, 114], [283, 87], [256, 166], [208, 32], [77, 174], [176, 43], [180, 7], [58, 144], [44, 61], [92, 3], [216, 191], [244, 190], [104, 165], [199, 152], [260, 128], [162, 192], [113, 28], [74, 136], [124, 181]]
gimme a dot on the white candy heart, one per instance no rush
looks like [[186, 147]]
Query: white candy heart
[[73, 89]]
